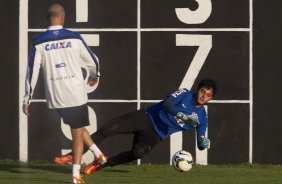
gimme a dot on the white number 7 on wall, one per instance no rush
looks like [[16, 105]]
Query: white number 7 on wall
[[205, 44]]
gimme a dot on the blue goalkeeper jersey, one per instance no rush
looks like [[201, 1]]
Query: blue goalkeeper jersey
[[164, 120]]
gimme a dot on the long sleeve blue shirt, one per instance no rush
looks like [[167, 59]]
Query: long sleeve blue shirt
[[162, 114]]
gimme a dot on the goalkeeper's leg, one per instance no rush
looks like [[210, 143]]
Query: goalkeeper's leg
[[143, 143], [129, 156], [126, 124], [122, 158]]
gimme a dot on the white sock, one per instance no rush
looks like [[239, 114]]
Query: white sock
[[95, 150], [76, 170]]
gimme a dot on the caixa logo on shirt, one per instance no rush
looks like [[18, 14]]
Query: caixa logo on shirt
[[57, 45]]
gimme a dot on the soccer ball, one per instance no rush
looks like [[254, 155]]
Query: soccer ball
[[182, 161]]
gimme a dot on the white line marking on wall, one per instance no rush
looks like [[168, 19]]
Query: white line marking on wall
[[92, 40], [151, 29], [251, 84], [81, 10], [148, 101], [23, 59], [138, 60]]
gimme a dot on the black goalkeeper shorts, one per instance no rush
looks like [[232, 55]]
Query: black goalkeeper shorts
[[75, 117]]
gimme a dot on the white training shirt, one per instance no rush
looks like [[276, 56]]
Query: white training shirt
[[60, 54]]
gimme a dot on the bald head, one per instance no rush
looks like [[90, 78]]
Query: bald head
[[56, 15]]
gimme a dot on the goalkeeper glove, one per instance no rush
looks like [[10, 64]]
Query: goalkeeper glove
[[188, 118], [205, 142]]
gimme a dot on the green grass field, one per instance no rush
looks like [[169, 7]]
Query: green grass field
[[12, 172]]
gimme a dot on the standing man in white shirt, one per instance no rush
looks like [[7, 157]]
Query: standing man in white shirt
[[60, 53]]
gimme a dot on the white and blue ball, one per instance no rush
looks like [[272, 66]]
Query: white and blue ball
[[182, 161]]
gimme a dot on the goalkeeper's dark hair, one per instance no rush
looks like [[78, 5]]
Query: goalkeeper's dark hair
[[209, 84]]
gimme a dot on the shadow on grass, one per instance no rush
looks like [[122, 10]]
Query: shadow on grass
[[43, 172], [30, 180], [29, 168], [114, 170], [15, 173]]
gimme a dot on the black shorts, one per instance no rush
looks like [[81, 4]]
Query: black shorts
[[75, 117]]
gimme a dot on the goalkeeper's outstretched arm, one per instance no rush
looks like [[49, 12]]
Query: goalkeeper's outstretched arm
[[203, 142]]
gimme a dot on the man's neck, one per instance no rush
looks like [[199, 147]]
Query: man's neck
[[55, 27]]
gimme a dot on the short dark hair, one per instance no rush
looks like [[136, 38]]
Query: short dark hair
[[55, 10], [209, 84]]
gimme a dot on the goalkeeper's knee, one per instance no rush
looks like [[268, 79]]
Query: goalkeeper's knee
[[140, 152]]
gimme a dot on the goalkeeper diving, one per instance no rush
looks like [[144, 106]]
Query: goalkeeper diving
[[180, 111]]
